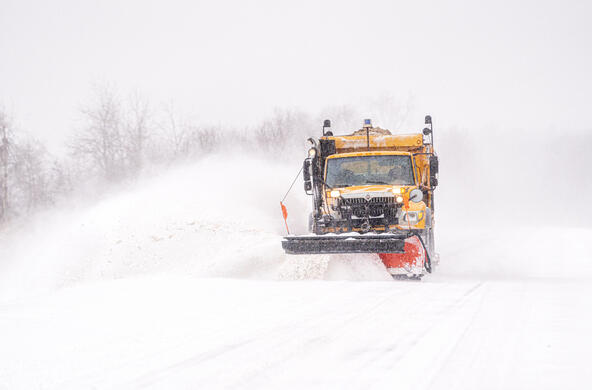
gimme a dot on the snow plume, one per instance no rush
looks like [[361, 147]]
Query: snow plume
[[218, 217]]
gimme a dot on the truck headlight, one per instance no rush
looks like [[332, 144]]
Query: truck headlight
[[335, 194], [412, 217]]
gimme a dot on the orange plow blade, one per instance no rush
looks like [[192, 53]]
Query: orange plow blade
[[408, 264]]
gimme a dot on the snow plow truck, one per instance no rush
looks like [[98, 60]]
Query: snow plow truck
[[372, 192]]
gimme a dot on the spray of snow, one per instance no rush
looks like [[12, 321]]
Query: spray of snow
[[220, 217], [213, 218]]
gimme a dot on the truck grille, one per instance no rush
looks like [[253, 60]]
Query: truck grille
[[377, 206], [362, 201]]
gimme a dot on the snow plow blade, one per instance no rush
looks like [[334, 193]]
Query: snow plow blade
[[344, 243]]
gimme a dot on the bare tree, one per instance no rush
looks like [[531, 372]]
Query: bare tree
[[5, 142], [100, 142], [60, 179], [207, 139], [24, 183], [138, 128], [31, 187], [283, 129], [344, 119], [175, 135], [183, 140]]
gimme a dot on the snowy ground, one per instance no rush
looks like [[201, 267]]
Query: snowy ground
[[169, 287]]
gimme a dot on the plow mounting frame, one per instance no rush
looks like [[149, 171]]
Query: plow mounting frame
[[345, 243]]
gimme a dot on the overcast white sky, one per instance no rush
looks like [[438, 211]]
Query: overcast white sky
[[506, 64]]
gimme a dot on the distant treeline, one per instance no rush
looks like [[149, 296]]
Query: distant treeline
[[121, 139]]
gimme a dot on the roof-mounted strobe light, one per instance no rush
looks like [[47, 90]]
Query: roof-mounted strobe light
[[326, 124], [368, 126]]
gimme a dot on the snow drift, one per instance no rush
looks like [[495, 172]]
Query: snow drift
[[214, 218]]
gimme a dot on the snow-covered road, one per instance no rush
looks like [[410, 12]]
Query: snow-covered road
[[188, 296], [448, 331]]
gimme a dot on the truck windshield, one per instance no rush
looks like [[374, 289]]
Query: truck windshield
[[366, 170]]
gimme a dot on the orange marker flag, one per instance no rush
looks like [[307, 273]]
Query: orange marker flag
[[285, 214]]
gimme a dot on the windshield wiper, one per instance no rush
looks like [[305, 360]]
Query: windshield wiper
[[375, 182], [341, 185]]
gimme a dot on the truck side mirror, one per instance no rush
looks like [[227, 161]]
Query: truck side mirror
[[306, 169], [434, 165], [306, 175], [433, 181]]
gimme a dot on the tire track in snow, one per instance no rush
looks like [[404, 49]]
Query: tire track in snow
[[287, 340], [287, 344], [417, 366]]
